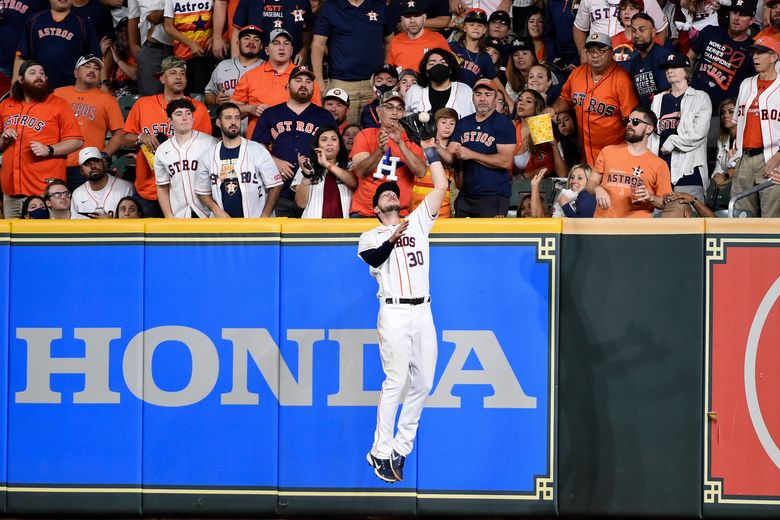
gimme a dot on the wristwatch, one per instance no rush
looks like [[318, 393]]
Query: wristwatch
[[51, 150]]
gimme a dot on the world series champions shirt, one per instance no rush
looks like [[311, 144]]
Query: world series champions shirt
[[721, 65]]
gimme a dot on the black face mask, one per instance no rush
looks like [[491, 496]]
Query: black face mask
[[438, 73], [39, 213], [381, 89]]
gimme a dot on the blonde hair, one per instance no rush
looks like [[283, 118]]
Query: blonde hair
[[586, 169]]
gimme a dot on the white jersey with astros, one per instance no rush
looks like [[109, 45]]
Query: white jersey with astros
[[405, 272]]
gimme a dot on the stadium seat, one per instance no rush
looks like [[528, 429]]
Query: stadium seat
[[126, 103]]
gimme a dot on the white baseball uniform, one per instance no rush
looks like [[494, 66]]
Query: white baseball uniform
[[601, 16], [225, 77], [177, 166], [86, 200], [407, 335]]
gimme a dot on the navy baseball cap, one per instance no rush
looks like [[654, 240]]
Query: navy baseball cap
[[387, 69], [494, 43], [500, 16], [412, 7], [303, 70], [476, 15], [747, 7], [676, 60], [521, 44], [386, 186]]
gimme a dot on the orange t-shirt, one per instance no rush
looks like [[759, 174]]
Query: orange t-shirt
[[620, 170], [362, 200], [623, 46], [97, 113], [769, 32], [423, 186], [752, 136], [407, 54], [148, 116], [264, 86], [47, 122]]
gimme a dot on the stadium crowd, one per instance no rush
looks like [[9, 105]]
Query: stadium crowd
[[301, 108]]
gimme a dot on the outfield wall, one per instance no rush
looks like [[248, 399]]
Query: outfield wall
[[218, 367]]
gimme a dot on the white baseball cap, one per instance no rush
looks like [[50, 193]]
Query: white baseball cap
[[83, 60], [337, 93], [90, 152]]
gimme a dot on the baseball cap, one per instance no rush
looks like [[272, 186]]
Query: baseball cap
[[83, 60], [302, 70], [747, 7], [676, 60], [250, 29], [90, 152], [172, 62], [476, 15], [483, 83], [337, 93], [386, 186], [495, 43], [408, 72], [521, 44], [279, 32], [392, 94], [599, 39], [27, 64], [122, 23], [765, 44], [500, 16], [387, 69], [412, 7]]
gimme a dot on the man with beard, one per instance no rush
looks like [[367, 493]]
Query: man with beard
[[407, 48], [773, 31], [628, 179], [101, 192], [39, 131], [176, 163], [237, 178], [484, 142], [97, 113], [289, 128], [646, 60], [227, 73], [148, 119]]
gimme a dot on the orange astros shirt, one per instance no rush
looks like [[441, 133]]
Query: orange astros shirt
[[408, 54], [192, 18], [47, 122], [619, 170]]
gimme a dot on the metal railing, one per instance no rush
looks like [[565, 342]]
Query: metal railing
[[747, 193]]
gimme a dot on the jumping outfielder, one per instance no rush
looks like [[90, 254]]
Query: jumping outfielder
[[398, 254], [176, 163]]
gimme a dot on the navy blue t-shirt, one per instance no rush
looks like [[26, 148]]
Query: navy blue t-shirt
[[100, 17], [294, 16], [355, 37], [483, 137], [15, 15], [232, 198], [721, 65], [648, 78], [668, 122], [558, 39], [58, 45], [369, 118], [474, 65]]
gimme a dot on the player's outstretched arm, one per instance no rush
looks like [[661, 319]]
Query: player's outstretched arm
[[439, 177]]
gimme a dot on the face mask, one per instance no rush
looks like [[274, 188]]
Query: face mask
[[39, 213], [439, 73], [381, 89]]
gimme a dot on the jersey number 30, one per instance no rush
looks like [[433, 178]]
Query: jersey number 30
[[415, 258]]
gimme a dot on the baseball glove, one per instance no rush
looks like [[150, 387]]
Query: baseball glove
[[419, 126]]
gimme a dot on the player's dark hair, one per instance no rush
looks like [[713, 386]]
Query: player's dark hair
[[449, 57], [342, 158], [176, 104], [131, 199], [647, 113], [643, 16], [223, 107]]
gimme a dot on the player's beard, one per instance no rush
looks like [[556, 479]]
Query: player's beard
[[643, 46], [35, 92], [774, 20], [250, 55], [231, 132], [632, 136], [393, 207], [96, 175]]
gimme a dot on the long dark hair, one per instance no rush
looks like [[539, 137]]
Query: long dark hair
[[17, 92], [449, 57], [342, 158], [137, 205]]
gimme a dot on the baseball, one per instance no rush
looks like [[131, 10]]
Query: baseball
[[424, 117]]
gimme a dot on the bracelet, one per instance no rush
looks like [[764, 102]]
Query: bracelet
[[432, 155]]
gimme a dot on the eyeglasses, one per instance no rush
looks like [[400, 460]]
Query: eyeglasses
[[393, 108], [635, 121], [596, 51], [59, 195]]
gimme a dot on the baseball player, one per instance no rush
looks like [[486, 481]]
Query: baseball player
[[236, 177], [176, 163], [101, 192], [398, 254]]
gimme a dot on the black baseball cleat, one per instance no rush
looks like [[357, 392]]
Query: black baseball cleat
[[397, 465], [382, 468]]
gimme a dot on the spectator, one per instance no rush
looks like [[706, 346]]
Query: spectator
[[289, 128], [177, 161], [437, 15], [336, 101], [540, 79], [575, 201], [727, 143], [348, 136], [601, 94], [446, 119], [101, 193], [384, 79], [97, 114], [524, 207], [562, 52], [34, 207], [238, 178], [57, 50], [385, 153], [645, 63], [341, 26], [723, 59], [14, 20], [534, 29], [406, 78], [529, 158], [682, 205], [683, 116], [57, 198], [623, 42], [539, 208], [470, 48], [148, 119], [629, 180], [190, 27], [266, 85], [437, 86], [39, 131], [146, 19], [323, 184], [773, 31], [568, 144], [128, 207], [521, 60], [97, 14], [407, 48], [495, 49], [757, 124], [121, 65], [499, 25], [294, 16], [228, 72], [484, 142]]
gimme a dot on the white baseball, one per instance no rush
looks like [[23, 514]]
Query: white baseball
[[424, 117]]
